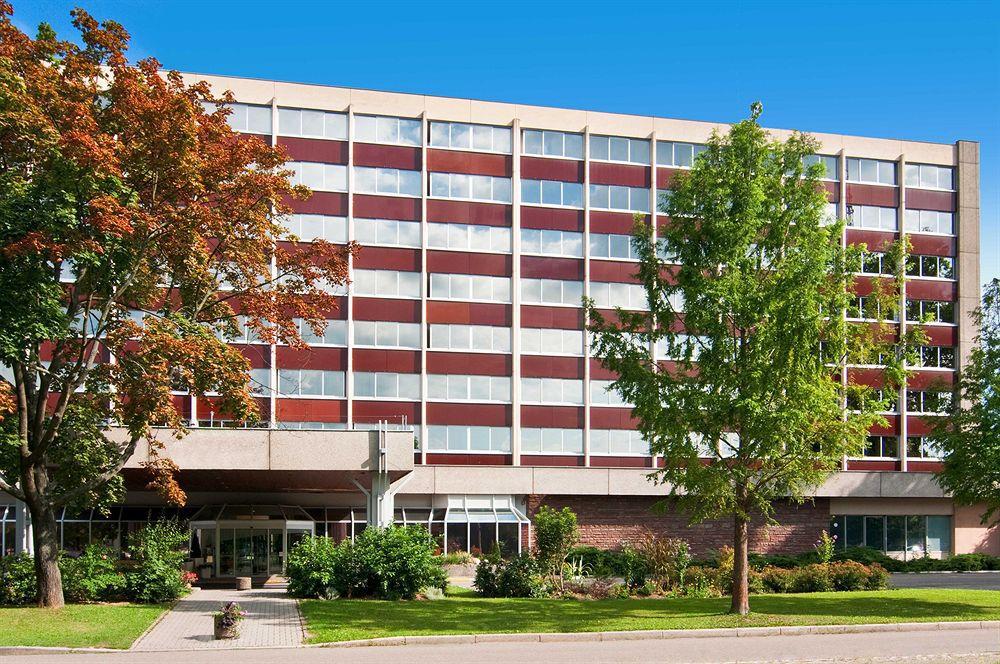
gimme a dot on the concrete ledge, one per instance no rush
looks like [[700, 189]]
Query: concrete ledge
[[667, 634]]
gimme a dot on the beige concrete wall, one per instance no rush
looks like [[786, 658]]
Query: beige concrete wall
[[262, 449], [970, 535], [330, 98], [968, 244], [892, 506]]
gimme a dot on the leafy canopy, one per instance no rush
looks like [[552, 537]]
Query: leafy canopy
[[970, 437], [135, 225], [749, 311]]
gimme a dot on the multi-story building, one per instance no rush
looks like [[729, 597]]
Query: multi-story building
[[454, 386]]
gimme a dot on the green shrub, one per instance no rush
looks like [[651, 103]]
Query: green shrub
[[388, 563], [555, 534], [666, 559], [634, 567], [755, 582], [94, 576], [848, 575], [17, 580], [153, 574], [878, 578], [812, 579], [310, 567], [455, 558], [777, 579], [703, 582], [865, 555], [516, 577], [968, 562]]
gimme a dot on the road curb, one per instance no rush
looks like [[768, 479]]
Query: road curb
[[558, 637], [725, 632]]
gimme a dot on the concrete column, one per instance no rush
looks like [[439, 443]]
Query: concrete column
[[22, 529], [968, 245]]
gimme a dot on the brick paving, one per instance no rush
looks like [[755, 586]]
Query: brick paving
[[272, 620]]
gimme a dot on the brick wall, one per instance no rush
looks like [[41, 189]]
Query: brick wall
[[609, 521]]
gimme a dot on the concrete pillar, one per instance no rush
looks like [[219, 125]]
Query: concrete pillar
[[22, 529]]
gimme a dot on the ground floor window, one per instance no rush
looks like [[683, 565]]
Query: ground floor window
[[911, 535]]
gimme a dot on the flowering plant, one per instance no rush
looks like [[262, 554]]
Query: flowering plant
[[230, 615], [824, 546], [188, 577]]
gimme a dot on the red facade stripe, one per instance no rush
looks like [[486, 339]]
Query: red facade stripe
[[388, 258], [371, 308], [391, 361], [321, 202], [472, 414], [468, 313], [387, 156], [473, 163], [458, 262], [560, 417], [466, 212], [312, 149], [565, 170], [557, 219], [923, 199], [314, 357], [550, 366], [564, 318], [542, 267], [870, 194], [477, 364], [386, 207], [619, 174]]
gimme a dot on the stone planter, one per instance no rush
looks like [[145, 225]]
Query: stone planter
[[223, 632], [243, 583]]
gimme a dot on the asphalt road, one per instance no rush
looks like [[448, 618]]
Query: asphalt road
[[966, 580], [974, 646]]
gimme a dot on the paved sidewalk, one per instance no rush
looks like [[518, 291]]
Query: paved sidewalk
[[272, 620], [970, 580]]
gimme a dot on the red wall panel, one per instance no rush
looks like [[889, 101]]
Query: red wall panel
[[327, 359], [321, 202], [313, 149], [931, 379], [932, 245], [859, 464], [373, 411], [621, 174], [665, 176], [452, 459], [485, 214], [540, 267], [540, 168], [914, 466], [475, 414], [388, 258], [557, 219], [832, 191], [386, 207], [457, 262], [551, 460], [922, 289], [477, 364], [599, 372], [874, 240], [922, 199], [393, 361], [614, 271], [561, 417], [387, 156], [941, 335], [621, 462], [403, 311], [473, 163], [611, 222], [872, 377], [311, 410], [468, 313], [564, 318], [872, 194], [549, 366], [612, 418]]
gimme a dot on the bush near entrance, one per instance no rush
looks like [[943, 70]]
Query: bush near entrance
[[151, 574], [385, 563]]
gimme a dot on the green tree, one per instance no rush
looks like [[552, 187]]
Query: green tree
[[556, 532], [970, 437], [751, 310]]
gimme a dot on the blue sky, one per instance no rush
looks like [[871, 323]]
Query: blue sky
[[913, 70]]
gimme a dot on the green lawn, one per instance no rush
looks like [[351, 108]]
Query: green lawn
[[466, 613], [77, 625]]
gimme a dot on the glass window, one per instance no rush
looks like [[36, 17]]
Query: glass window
[[875, 532], [927, 176], [929, 221], [382, 129], [615, 197], [310, 227], [465, 237], [312, 124], [470, 187], [386, 283], [248, 118], [678, 155], [319, 176], [616, 148], [551, 441], [830, 165], [334, 334], [483, 338], [612, 246], [612, 295], [552, 291], [310, 382], [871, 171], [462, 387], [939, 534], [461, 136], [470, 287], [538, 341], [552, 192], [387, 385], [872, 217], [390, 181], [552, 390], [551, 243], [553, 144], [387, 232]]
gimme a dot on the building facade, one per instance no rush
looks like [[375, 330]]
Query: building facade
[[454, 385]]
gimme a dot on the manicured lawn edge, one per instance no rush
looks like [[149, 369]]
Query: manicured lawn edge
[[459, 617], [78, 626]]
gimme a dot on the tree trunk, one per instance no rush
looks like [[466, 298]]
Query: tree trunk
[[740, 589], [45, 536]]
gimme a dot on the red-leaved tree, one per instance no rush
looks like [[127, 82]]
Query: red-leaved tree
[[134, 226]]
